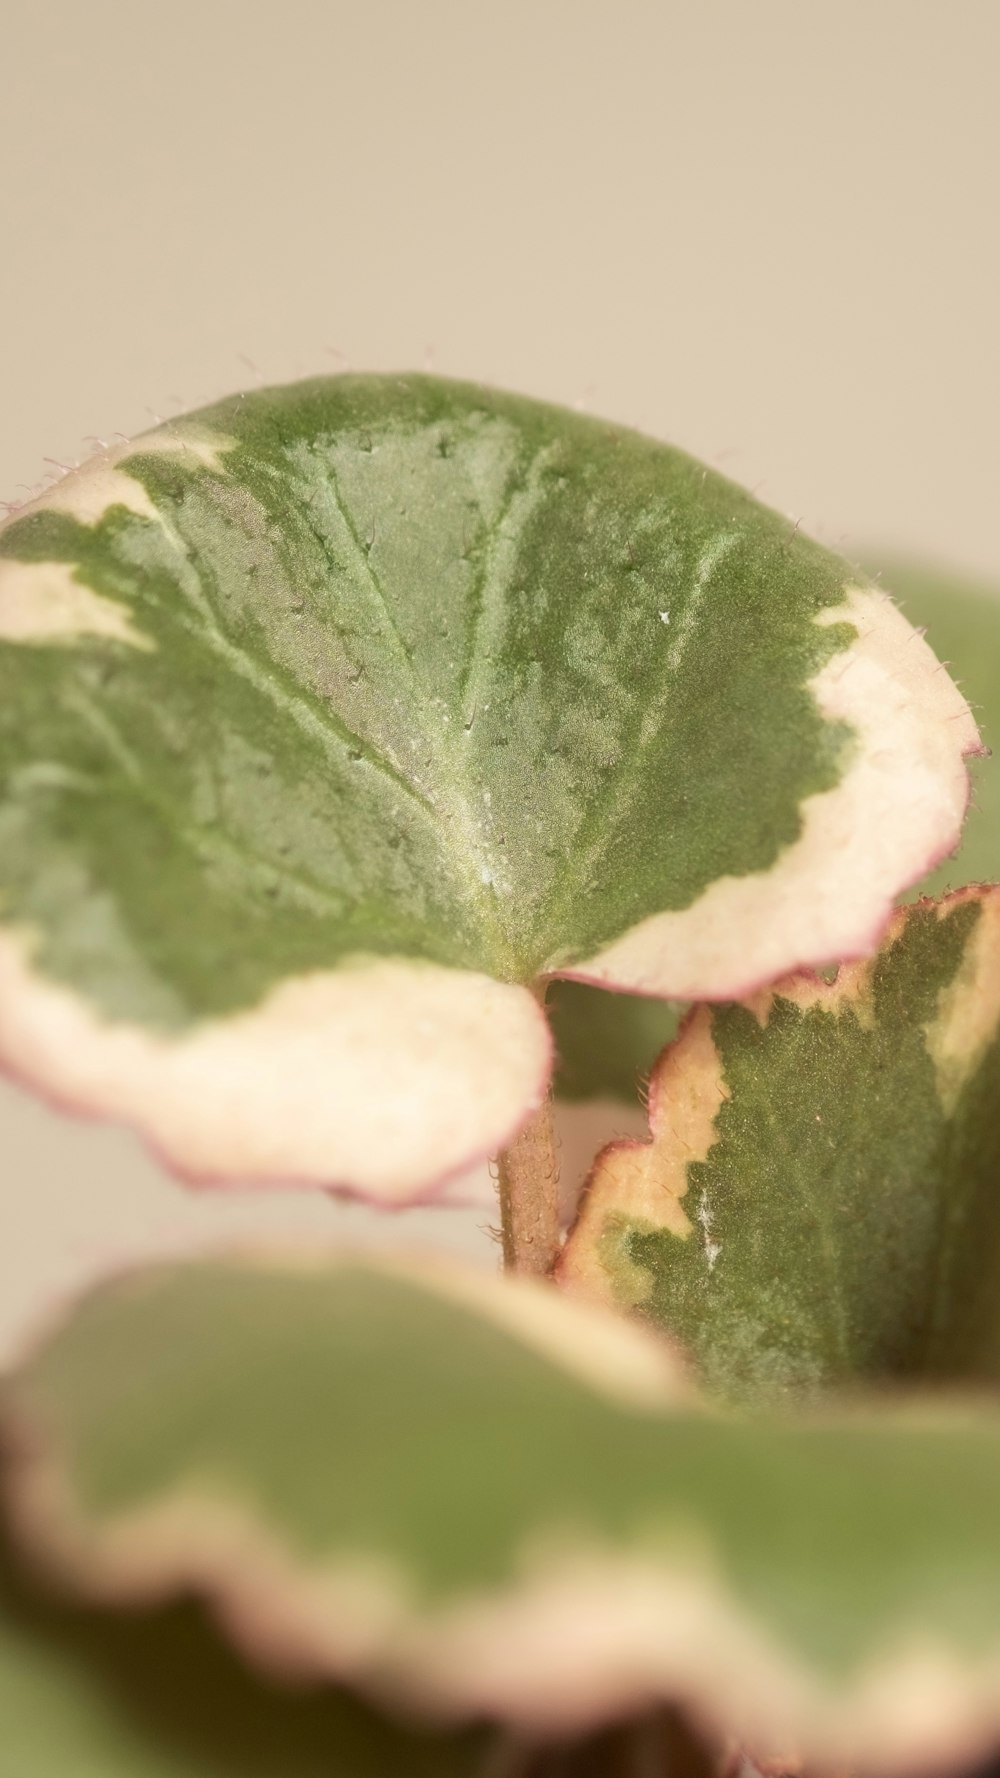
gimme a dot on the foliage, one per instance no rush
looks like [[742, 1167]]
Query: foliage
[[374, 753], [818, 1201]]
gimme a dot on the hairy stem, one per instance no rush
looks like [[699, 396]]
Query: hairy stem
[[529, 1196]]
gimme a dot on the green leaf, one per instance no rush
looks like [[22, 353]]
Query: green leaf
[[485, 1497], [606, 1043], [333, 716], [91, 1694], [962, 620], [817, 1204]]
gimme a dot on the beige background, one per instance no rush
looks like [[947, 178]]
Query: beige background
[[766, 229]]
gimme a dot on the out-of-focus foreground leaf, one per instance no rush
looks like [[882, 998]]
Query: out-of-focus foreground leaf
[[86, 1693], [487, 1498]]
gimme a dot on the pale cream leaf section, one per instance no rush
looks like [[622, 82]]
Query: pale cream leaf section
[[43, 602], [89, 490], [383, 1077]]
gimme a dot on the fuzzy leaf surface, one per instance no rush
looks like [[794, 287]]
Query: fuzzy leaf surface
[[485, 1497], [333, 715], [817, 1205]]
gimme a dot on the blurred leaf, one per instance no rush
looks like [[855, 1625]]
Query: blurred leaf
[[962, 619], [483, 1496], [606, 1043], [93, 1694]]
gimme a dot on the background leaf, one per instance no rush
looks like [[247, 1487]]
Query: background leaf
[[962, 619], [818, 1202], [606, 1043]]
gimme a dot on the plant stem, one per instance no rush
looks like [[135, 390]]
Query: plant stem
[[529, 1196]]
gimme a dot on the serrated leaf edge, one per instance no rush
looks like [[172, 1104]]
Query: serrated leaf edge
[[646, 1180]]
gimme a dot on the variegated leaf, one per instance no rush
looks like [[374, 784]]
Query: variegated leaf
[[818, 1201], [485, 1498], [333, 717], [607, 1043]]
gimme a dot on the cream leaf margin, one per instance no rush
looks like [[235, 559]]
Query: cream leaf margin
[[897, 810]]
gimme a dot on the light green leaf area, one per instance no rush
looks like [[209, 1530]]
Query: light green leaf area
[[493, 1505], [962, 619], [400, 688], [92, 1694], [817, 1205]]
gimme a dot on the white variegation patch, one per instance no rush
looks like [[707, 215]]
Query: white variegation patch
[[897, 809], [44, 602], [383, 1077], [184, 439], [88, 491]]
